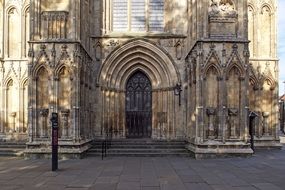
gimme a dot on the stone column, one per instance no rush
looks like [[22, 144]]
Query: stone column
[[64, 123], [12, 122], [233, 112], [43, 130], [211, 112], [265, 123], [2, 93]]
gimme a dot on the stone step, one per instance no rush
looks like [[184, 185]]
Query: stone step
[[141, 154], [141, 147], [12, 146], [152, 146], [135, 142], [11, 149], [113, 150]]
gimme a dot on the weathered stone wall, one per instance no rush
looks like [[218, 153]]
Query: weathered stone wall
[[80, 58], [263, 69], [14, 35]]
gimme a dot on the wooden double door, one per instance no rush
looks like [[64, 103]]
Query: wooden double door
[[138, 106]]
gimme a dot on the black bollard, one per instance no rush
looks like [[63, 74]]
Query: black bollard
[[54, 155]]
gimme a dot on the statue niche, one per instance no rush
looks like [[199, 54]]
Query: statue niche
[[222, 18]]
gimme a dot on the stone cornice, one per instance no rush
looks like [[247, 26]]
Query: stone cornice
[[140, 35]]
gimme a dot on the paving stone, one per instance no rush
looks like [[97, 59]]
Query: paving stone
[[191, 179], [150, 188], [148, 173], [221, 187], [103, 186], [266, 186], [198, 186], [128, 186]]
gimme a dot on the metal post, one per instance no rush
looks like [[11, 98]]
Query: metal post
[[54, 120]]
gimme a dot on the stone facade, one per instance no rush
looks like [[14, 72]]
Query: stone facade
[[77, 57]]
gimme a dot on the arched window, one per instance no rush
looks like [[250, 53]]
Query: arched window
[[13, 33], [138, 15]]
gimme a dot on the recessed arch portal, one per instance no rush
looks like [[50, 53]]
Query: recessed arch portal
[[132, 60], [138, 54]]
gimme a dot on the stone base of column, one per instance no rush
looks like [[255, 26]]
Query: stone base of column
[[219, 150], [267, 142], [13, 137], [67, 149]]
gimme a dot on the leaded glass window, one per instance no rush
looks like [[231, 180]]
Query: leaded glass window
[[138, 15]]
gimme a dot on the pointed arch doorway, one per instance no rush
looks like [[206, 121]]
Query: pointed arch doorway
[[138, 104]]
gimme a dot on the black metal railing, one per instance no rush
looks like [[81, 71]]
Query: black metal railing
[[107, 142]]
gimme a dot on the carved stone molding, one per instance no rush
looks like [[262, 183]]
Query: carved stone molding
[[54, 24]]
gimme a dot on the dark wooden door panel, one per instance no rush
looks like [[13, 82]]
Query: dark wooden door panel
[[138, 106]]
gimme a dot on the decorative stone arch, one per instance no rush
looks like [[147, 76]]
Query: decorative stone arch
[[41, 61], [37, 68], [8, 80], [24, 81], [25, 8], [271, 81], [266, 4], [139, 54], [238, 67], [209, 66], [235, 61], [60, 67], [11, 7], [253, 82], [158, 66]]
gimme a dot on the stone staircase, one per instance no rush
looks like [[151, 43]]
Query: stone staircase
[[12, 149], [141, 148]]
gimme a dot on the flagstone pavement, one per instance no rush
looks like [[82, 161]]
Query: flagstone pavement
[[265, 170]]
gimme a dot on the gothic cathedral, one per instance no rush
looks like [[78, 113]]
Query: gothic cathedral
[[159, 69]]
